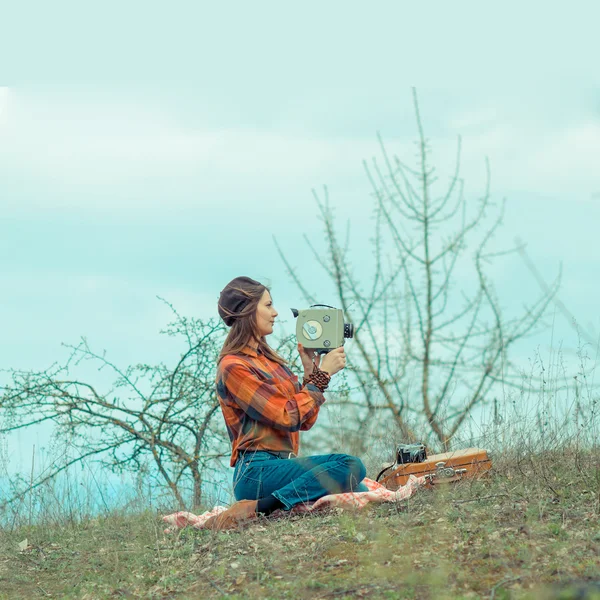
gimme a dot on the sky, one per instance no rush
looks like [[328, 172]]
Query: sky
[[155, 151]]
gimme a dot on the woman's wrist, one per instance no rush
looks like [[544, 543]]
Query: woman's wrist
[[318, 378]]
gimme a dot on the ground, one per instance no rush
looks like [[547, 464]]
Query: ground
[[529, 536]]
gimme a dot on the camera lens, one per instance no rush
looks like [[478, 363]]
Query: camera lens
[[348, 330]]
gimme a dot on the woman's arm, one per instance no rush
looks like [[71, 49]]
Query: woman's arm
[[309, 359], [264, 402]]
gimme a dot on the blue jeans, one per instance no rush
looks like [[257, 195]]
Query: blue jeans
[[296, 480]]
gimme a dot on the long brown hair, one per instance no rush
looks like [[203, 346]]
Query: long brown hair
[[244, 329]]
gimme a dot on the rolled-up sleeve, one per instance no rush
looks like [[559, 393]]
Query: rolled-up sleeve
[[264, 402]]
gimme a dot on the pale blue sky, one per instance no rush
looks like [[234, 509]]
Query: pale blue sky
[[155, 152]]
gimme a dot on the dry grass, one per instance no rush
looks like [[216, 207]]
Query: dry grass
[[521, 533]]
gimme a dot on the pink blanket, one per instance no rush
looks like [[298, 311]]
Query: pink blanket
[[376, 493]]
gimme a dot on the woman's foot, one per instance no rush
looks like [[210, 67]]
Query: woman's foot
[[240, 512]]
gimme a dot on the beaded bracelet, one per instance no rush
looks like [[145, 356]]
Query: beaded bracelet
[[318, 378]]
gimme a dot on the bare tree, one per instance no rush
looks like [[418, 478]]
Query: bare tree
[[429, 345], [153, 415]]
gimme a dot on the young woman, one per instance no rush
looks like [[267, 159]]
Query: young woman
[[265, 408]]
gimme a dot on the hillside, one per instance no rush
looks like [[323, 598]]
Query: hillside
[[521, 533]]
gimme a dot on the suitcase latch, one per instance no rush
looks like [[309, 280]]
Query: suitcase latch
[[444, 472]]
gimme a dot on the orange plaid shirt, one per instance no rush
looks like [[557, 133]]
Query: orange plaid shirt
[[263, 404]]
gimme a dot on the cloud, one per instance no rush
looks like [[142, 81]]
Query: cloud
[[571, 155], [4, 104], [473, 120], [120, 154], [124, 139], [557, 162], [116, 313]]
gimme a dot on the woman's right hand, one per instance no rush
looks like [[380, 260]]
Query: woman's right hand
[[333, 361]]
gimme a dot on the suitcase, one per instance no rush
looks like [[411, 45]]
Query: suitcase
[[447, 467]]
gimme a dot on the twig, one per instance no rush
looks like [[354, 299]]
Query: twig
[[548, 291], [31, 484], [501, 583], [217, 587], [355, 589], [478, 498]]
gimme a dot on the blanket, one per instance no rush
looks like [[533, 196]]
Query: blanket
[[376, 493]]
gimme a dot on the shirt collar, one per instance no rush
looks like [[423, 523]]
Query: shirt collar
[[250, 352]]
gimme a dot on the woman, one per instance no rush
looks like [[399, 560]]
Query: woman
[[265, 407]]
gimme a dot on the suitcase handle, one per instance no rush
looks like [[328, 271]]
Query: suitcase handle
[[444, 472]]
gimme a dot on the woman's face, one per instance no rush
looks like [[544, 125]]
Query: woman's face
[[265, 314]]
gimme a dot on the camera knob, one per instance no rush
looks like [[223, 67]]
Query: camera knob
[[326, 343], [326, 318]]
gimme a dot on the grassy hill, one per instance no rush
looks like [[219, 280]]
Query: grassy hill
[[526, 531]]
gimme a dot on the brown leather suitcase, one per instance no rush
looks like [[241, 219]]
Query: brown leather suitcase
[[442, 468]]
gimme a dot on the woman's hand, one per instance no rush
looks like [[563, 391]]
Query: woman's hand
[[309, 358], [334, 361]]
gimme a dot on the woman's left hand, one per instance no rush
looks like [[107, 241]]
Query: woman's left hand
[[309, 358]]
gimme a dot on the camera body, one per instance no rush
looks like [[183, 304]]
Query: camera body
[[410, 453], [322, 328]]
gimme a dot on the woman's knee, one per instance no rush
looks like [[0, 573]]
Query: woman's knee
[[357, 467], [246, 488]]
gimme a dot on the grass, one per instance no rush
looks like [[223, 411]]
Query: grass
[[523, 532]]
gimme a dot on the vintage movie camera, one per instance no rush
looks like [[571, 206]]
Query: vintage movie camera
[[410, 453], [322, 328]]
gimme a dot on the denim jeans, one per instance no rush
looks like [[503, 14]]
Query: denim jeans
[[296, 480]]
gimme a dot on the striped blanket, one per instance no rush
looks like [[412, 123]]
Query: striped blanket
[[376, 493]]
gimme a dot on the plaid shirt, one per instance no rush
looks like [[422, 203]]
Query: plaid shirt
[[263, 404]]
